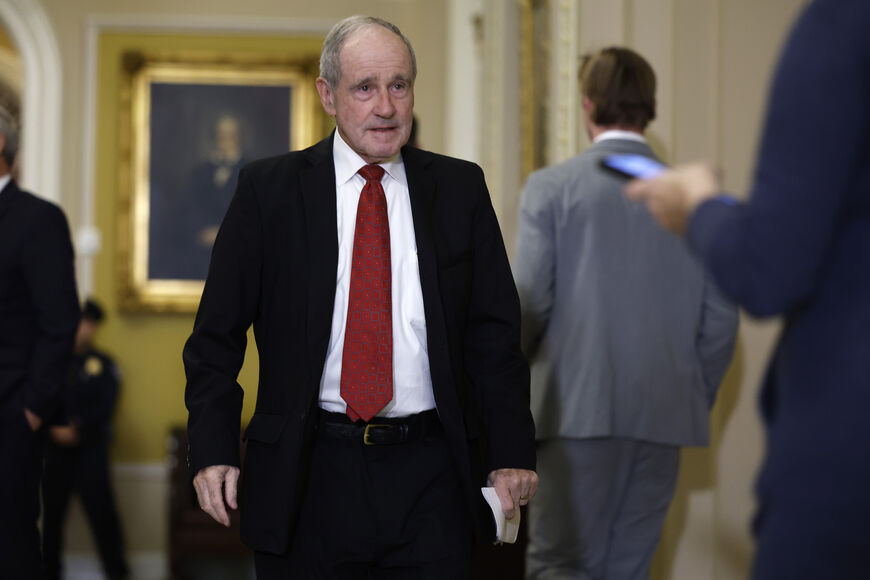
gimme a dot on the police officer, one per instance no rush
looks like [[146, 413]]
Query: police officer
[[77, 458]]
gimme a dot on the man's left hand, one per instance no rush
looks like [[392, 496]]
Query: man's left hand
[[515, 487]]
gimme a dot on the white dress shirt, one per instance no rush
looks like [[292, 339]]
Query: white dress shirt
[[412, 383], [4, 181], [619, 134]]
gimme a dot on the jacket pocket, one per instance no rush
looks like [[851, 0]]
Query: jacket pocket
[[265, 427]]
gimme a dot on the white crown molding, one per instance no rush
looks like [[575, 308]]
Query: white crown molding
[[167, 23], [31, 31]]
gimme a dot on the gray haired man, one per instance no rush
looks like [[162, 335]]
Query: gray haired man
[[392, 383]]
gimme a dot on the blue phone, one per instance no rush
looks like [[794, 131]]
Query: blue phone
[[632, 166]]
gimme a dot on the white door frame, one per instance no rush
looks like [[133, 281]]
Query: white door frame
[[30, 30]]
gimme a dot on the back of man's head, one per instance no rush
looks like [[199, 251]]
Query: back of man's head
[[9, 129], [621, 86]]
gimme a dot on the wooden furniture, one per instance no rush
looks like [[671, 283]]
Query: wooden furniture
[[192, 532]]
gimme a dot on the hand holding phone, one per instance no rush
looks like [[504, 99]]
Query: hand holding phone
[[631, 166]]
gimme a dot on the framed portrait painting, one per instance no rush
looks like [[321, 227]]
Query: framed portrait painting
[[190, 125]]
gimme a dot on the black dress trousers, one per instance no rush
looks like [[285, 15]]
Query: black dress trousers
[[387, 511], [21, 459]]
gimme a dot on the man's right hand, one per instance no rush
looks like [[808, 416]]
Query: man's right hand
[[216, 488], [65, 435]]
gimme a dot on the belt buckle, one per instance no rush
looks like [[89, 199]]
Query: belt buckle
[[366, 440]]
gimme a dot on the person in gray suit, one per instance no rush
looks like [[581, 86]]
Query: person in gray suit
[[627, 338]]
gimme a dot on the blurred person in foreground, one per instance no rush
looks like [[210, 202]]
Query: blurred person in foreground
[[39, 313], [627, 338], [800, 247], [388, 329], [77, 454]]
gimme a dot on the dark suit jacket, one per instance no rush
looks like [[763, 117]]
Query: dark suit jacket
[[39, 309], [801, 247], [274, 265]]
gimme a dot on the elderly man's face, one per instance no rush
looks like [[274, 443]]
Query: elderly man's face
[[374, 101]]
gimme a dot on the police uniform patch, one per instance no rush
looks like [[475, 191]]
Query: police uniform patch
[[93, 366]]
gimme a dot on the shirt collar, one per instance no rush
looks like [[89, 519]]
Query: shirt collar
[[619, 134], [4, 181], [348, 162]]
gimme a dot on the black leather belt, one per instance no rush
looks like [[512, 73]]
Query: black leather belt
[[380, 430]]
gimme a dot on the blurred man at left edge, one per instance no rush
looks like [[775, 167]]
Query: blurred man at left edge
[[39, 313]]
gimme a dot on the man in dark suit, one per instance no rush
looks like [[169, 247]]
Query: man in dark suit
[[39, 312], [798, 247], [392, 384]]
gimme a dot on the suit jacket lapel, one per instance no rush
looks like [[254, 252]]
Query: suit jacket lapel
[[421, 188], [318, 197], [7, 196]]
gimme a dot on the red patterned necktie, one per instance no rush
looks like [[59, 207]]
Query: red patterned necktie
[[367, 360]]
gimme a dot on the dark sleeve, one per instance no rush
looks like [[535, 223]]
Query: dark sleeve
[[215, 351], [494, 359], [47, 266], [767, 254]]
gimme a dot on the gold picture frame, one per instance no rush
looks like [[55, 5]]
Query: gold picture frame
[[187, 123]]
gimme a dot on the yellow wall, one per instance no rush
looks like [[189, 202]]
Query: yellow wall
[[148, 346], [5, 41]]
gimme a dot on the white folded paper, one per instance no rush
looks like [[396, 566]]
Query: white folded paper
[[505, 529]]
